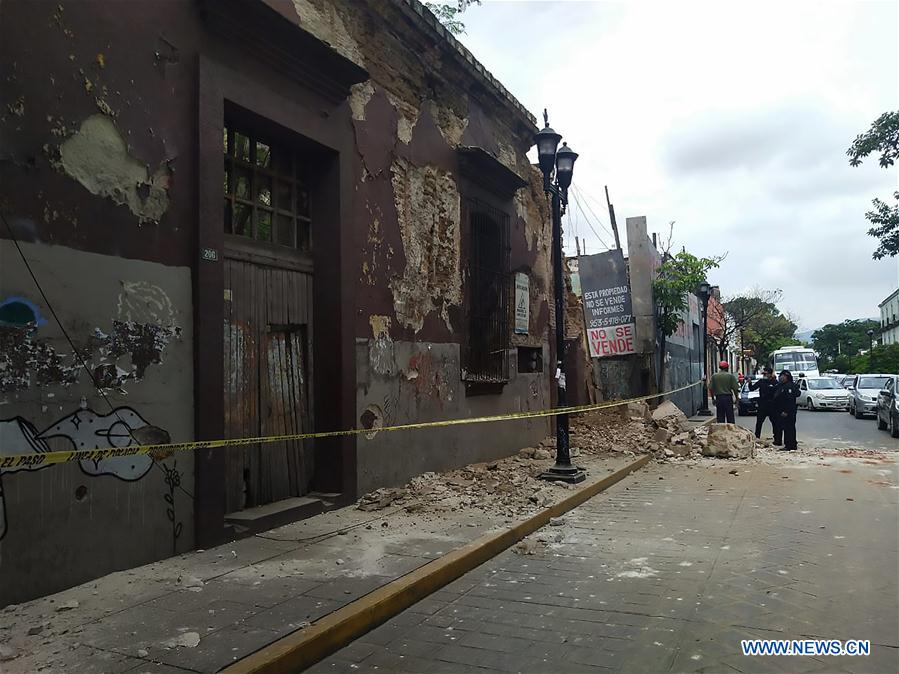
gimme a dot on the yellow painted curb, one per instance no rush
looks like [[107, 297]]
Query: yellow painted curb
[[305, 647]]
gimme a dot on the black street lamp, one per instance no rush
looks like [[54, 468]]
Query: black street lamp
[[703, 292], [870, 340], [560, 162]]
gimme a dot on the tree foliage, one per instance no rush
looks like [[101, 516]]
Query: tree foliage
[[881, 359], [740, 314], [449, 13], [678, 276], [883, 138], [847, 339], [768, 332]]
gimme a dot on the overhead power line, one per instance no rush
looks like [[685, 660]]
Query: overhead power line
[[577, 203]]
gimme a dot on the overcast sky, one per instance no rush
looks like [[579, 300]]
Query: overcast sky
[[730, 118]]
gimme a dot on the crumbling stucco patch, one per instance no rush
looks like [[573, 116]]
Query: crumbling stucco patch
[[380, 326], [360, 95], [97, 157], [326, 24], [381, 353], [407, 116], [428, 214], [451, 125]]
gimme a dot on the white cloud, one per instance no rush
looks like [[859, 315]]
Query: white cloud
[[731, 119]]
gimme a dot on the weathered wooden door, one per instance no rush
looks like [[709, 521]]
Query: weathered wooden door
[[267, 381]]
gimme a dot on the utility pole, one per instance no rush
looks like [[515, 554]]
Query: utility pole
[[577, 245], [613, 220]]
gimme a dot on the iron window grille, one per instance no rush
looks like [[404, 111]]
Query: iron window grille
[[266, 198], [489, 307]]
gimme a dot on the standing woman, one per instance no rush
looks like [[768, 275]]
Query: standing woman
[[785, 408]]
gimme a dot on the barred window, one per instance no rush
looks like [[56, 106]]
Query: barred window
[[265, 196], [488, 295]]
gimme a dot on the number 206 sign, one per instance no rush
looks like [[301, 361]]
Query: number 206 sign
[[615, 341]]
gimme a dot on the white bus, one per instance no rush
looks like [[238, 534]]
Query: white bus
[[796, 359]]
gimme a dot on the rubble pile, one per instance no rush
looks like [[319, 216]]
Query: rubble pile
[[509, 487], [633, 428]]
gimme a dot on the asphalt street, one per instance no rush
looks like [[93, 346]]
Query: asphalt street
[[834, 430], [669, 570]]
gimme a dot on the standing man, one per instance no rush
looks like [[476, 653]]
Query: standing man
[[726, 391], [785, 409], [766, 386]]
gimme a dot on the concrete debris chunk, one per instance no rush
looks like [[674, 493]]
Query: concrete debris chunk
[[729, 441], [8, 653], [67, 606], [667, 411], [527, 547], [186, 640], [382, 498]]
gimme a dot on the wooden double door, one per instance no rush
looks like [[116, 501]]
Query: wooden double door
[[268, 370]]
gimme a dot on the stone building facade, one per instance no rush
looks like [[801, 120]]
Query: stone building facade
[[231, 218]]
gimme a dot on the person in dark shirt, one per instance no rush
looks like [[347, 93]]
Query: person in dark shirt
[[766, 387], [785, 409]]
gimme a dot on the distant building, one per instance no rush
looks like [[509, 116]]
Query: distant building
[[889, 319]]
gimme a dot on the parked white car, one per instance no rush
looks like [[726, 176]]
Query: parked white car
[[863, 393], [822, 393]]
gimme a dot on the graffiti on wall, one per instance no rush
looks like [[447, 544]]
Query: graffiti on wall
[[84, 429], [138, 339]]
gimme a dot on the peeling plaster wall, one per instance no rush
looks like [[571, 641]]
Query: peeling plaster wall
[[428, 215], [98, 162], [97, 157], [419, 107], [420, 381], [131, 321]]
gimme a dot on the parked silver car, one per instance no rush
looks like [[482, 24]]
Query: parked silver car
[[863, 393], [888, 407]]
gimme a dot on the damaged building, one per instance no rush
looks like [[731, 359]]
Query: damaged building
[[234, 219]]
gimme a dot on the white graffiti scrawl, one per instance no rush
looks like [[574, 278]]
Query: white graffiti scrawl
[[85, 429]]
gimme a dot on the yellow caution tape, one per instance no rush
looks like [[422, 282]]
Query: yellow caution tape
[[40, 459]]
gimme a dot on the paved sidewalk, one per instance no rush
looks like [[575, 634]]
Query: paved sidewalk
[[203, 610], [668, 571]]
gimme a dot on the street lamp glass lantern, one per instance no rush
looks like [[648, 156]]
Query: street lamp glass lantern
[[565, 159], [547, 141], [704, 290]]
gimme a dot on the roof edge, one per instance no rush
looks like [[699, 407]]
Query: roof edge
[[428, 21]]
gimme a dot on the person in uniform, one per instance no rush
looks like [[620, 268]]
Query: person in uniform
[[766, 387], [785, 409], [725, 390]]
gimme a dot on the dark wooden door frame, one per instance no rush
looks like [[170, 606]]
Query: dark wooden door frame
[[310, 116]]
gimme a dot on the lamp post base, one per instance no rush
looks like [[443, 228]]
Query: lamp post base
[[562, 473]]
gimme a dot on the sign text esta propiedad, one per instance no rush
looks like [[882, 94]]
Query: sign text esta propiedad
[[607, 304]]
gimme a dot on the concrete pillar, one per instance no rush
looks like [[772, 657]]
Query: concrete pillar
[[643, 259]]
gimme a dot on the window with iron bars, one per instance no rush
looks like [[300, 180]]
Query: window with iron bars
[[486, 357], [265, 196]]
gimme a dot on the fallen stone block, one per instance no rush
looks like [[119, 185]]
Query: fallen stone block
[[661, 435], [729, 441], [668, 412]]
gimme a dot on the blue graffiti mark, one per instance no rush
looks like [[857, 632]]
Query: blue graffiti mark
[[19, 312]]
